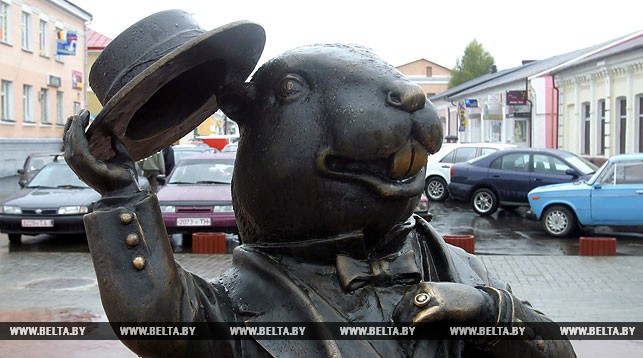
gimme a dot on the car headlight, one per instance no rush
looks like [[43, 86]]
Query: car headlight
[[7, 209], [168, 208], [71, 210], [222, 209]]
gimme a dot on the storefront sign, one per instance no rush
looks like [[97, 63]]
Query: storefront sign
[[66, 43], [76, 80], [471, 103], [516, 98], [54, 81]]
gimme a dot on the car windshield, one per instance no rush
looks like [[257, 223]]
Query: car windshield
[[182, 153], [582, 164], [56, 176], [203, 171]]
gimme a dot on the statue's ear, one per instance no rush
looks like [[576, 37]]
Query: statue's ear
[[236, 101]]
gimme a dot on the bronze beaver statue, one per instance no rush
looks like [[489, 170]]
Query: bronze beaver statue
[[330, 166]]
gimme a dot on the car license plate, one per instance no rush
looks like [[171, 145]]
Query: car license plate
[[37, 223], [193, 222]]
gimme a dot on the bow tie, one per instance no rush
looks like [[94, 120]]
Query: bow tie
[[388, 270]]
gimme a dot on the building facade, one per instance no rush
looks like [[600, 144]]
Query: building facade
[[432, 77], [43, 62], [601, 101]]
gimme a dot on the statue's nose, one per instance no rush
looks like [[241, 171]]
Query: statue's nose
[[406, 96]]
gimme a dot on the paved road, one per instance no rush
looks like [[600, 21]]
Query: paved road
[[61, 286]]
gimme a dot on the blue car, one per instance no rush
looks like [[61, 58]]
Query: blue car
[[503, 178], [612, 197]]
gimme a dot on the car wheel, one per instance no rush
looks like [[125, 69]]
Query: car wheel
[[14, 238], [436, 189], [484, 202], [558, 221]]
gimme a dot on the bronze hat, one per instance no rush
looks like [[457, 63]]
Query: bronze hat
[[157, 79]]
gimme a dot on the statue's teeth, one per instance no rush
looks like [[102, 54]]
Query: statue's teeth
[[408, 161]]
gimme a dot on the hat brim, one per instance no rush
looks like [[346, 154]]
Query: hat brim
[[176, 93]]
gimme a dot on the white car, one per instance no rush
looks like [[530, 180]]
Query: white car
[[439, 165]]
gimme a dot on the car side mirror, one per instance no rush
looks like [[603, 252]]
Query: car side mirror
[[572, 172], [161, 179], [22, 183], [597, 186]]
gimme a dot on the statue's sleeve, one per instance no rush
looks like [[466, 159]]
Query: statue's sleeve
[[139, 280]]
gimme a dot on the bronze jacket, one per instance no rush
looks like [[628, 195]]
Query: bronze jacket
[[139, 281]]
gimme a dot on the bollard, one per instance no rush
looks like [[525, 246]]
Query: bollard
[[466, 242], [597, 246], [208, 243]]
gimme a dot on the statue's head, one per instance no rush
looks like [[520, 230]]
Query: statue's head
[[333, 140]]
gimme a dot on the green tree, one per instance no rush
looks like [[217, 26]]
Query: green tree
[[475, 62]]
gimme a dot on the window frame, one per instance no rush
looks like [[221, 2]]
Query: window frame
[[26, 39], [27, 104], [43, 38], [6, 101]]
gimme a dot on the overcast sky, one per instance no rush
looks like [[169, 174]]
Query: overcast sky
[[405, 30]]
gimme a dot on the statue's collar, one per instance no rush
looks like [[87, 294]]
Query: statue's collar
[[352, 244]]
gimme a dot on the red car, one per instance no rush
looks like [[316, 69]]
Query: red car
[[197, 195]]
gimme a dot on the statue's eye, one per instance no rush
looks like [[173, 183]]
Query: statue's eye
[[292, 86]]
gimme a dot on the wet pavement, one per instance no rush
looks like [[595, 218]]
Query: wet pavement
[[50, 278]]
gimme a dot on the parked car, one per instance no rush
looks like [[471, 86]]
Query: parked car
[[438, 165], [503, 179], [184, 150], [422, 209], [52, 202], [232, 147], [33, 163], [197, 195], [611, 197]]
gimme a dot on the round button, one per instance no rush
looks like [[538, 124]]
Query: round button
[[132, 240], [422, 299], [138, 263], [126, 218]]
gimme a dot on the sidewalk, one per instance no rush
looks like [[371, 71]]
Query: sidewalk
[[62, 286]]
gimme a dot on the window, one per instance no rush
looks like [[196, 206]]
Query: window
[[429, 71], [623, 173], [640, 123], [601, 127], [464, 154], [5, 24], [60, 110], [6, 100], [622, 124], [44, 106], [586, 128], [76, 107], [27, 103], [26, 31], [485, 151], [43, 45], [546, 164], [59, 35], [516, 162]]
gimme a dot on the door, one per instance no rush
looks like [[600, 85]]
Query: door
[[618, 198], [549, 169], [511, 177]]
